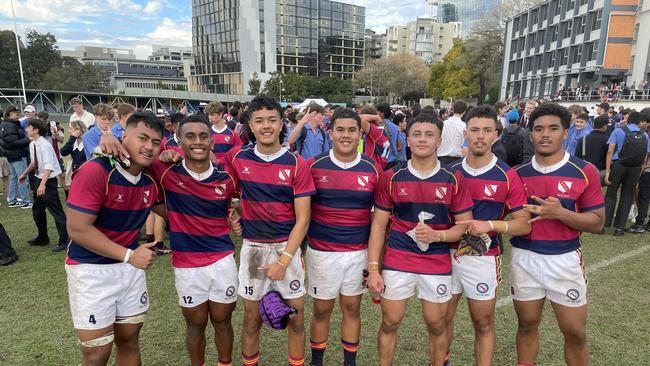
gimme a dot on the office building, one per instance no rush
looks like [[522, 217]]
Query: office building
[[466, 12], [640, 60], [570, 43], [375, 45], [234, 39], [426, 38], [170, 53]]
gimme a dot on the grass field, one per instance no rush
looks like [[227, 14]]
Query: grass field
[[36, 329]]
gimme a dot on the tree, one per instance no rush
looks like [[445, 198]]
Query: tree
[[40, 56], [254, 85], [395, 76], [454, 77], [74, 76], [9, 70]]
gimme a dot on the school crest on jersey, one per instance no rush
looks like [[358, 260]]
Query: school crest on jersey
[[490, 190], [564, 186], [441, 192], [227, 139], [284, 174], [145, 198], [363, 180], [220, 189]]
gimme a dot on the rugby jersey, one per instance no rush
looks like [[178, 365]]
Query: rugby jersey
[[496, 190], [197, 211], [120, 201], [223, 140], [404, 193], [171, 144], [576, 184], [268, 185], [340, 210], [376, 145]]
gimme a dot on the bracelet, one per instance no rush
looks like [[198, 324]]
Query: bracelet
[[507, 228], [128, 255], [282, 264], [442, 236], [287, 254], [491, 225], [373, 266]]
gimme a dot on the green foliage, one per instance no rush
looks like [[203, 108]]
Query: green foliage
[[74, 76], [39, 56], [297, 88], [254, 85], [9, 71], [453, 78], [399, 77]]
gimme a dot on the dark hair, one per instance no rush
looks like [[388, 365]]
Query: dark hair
[[245, 128], [341, 113], [176, 117], [38, 125], [43, 115], [551, 109], [234, 112], [583, 116], [292, 116], [9, 110], [428, 109], [482, 111], [385, 109], [192, 119], [398, 118], [634, 117], [148, 118], [645, 114], [417, 109], [459, 107], [259, 103], [499, 105], [601, 121], [425, 118]]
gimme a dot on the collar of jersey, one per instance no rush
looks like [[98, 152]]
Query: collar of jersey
[[344, 165], [214, 128], [476, 172], [199, 176], [133, 179], [270, 157], [419, 175], [551, 168]]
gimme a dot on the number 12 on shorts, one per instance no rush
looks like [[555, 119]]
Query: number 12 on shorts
[[187, 299]]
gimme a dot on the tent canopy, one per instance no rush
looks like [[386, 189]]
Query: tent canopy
[[308, 101]]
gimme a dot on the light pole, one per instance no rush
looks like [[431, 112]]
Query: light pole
[[280, 90], [20, 61]]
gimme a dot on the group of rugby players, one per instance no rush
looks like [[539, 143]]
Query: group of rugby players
[[400, 227]]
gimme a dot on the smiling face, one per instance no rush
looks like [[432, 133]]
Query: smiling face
[[266, 126], [480, 134], [345, 136], [580, 124], [548, 135], [423, 139], [103, 122], [142, 143], [196, 141]]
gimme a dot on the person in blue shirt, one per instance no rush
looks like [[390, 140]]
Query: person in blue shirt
[[580, 128], [103, 116], [392, 132], [308, 136], [399, 119], [124, 111], [623, 175]]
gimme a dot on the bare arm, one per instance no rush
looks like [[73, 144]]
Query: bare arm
[[376, 244], [295, 134], [518, 225], [160, 210], [551, 209], [608, 162]]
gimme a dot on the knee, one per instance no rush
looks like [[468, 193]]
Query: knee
[[321, 313], [351, 311], [576, 336], [484, 326], [437, 327], [526, 327], [389, 325], [195, 329], [96, 356], [222, 324], [252, 323], [297, 323]]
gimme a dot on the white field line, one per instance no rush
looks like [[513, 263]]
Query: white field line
[[593, 268]]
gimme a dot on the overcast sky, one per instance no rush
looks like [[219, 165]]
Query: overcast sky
[[138, 24]]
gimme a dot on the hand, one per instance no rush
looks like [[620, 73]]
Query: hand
[[476, 227], [374, 282], [143, 256], [234, 221], [606, 179], [109, 145], [76, 133], [274, 271], [40, 192], [372, 118], [307, 117], [22, 178], [548, 209], [425, 233], [170, 156]]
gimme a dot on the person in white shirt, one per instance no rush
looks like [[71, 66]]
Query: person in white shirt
[[45, 166], [81, 114], [453, 134]]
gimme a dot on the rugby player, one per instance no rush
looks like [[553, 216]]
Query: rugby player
[[345, 181], [565, 199], [276, 189], [405, 195], [223, 138], [496, 190], [108, 205]]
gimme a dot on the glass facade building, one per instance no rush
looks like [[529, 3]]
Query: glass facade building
[[466, 12], [232, 39]]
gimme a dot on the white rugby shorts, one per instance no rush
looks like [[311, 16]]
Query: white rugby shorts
[[403, 285], [330, 274], [475, 276], [561, 278], [253, 282], [100, 293], [216, 282]]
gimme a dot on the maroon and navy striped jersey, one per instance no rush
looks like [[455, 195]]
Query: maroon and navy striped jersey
[[171, 144], [576, 184], [340, 210], [223, 141], [403, 193]]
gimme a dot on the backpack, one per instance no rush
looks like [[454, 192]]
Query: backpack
[[303, 136], [514, 146], [634, 148]]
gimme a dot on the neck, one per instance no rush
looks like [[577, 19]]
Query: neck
[[219, 125], [197, 166], [551, 159], [313, 125], [478, 162], [345, 158], [424, 165], [269, 149], [122, 122], [134, 169]]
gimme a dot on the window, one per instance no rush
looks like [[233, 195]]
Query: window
[[577, 54], [551, 59], [571, 4], [564, 56], [596, 20], [583, 2], [581, 24], [567, 29], [554, 33]]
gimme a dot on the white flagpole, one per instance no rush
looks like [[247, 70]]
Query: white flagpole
[[20, 61]]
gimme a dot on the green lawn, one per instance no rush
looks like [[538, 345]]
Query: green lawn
[[35, 325]]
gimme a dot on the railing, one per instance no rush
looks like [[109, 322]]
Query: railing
[[603, 95]]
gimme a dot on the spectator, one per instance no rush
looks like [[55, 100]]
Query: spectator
[[75, 149], [46, 168], [627, 151], [29, 113], [516, 140], [502, 109], [309, 138], [528, 109], [391, 131], [15, 145], [103, 116], [498, 147], [5, 172], [80, 114], [580, 128], [124, 111], [643, 198], [400, 120], [55, 136], [7, 253], [593, 147], [452, 134]]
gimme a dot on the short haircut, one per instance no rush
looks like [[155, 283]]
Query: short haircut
[[583, 116], [626, 111], [459, 107], [148, 118], [315, 107], [124, 109], [38, 125], [192, 119], [292, 116], [367, 109], [499, 105], [601, 121], [534, 102], [398, 118], [575, 109], [482, 111], [176, 117], [551, 109], [76, 101], [261, 102], [214, 107], [428, 109], [417, 109], [385, 109], [634, 117], [645, 114], [425, 118], [79, 125], [103, 110], [10, 110], [234, 112], [43, 115], [245, 128], [342, 113]]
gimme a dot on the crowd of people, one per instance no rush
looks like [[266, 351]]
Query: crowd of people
[[442, 188]]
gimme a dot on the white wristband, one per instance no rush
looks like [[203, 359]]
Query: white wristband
[[127, 256]]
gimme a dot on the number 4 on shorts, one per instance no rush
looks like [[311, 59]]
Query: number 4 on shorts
[[91, 319]]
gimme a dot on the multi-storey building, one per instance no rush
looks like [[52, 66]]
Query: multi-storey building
[[466, 12], [375, 45], [170, 53], [426, 38], [568, 43], [235, 39]]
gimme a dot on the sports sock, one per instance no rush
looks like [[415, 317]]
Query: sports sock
[[317, 352], [149, 238], [296, 361], [250, 360], [224, 363], [349, 352]]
